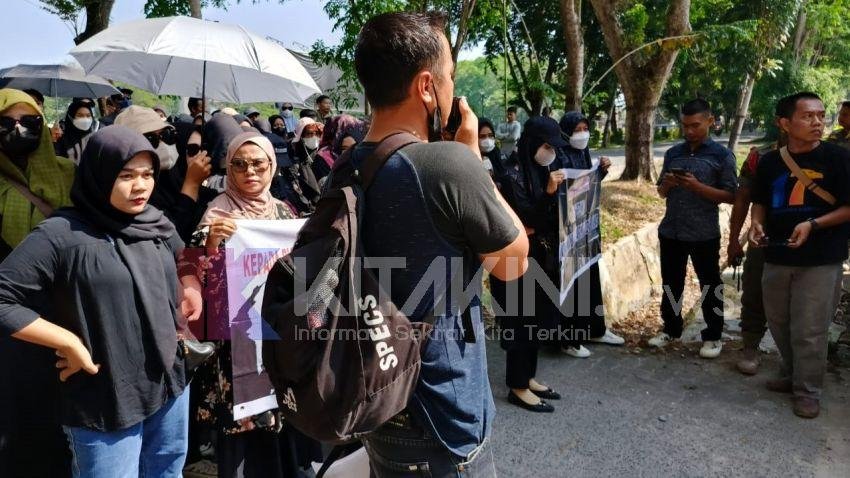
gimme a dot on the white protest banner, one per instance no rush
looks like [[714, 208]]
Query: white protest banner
[[250, 254], [580, 243]]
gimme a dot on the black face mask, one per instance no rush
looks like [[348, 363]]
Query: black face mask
[[280, 132], [435, 120], [17, 144]]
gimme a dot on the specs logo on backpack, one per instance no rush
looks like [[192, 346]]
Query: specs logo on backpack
[[378, 331]]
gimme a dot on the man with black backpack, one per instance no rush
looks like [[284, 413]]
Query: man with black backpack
[[432, 203]]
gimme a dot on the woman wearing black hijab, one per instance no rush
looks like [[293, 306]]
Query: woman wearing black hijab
[[531, 191], [79, 123], [218, 133], [98, 283], [490, 154], [180, 192], [542, 161], [576, 155]]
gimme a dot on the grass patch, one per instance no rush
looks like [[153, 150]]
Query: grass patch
[[626, 207]]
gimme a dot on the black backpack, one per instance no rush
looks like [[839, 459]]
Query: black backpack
[[352, 361]]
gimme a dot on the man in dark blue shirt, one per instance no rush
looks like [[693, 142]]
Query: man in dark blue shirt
[[697, 176], [433, 203]]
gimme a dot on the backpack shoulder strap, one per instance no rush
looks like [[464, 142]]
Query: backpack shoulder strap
[[803, 178], [386, 148]]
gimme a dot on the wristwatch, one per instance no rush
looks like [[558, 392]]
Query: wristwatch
[[813, 222]]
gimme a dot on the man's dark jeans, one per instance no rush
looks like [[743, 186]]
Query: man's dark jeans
[[705, 256], [402, 448]]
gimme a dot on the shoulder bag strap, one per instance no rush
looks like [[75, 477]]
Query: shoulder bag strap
[[803, 178], [45, 209]]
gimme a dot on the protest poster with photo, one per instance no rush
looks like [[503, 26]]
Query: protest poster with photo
[[249, 256], [578, 208]]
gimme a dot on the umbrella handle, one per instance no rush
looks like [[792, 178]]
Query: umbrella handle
[[204, 96]]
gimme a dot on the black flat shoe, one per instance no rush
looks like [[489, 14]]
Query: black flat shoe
[[541, 407], [548, 394]]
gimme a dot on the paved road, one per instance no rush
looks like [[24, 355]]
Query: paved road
[[667, 414], [618, 155]]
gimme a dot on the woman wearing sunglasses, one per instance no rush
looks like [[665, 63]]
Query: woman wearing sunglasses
[[31, 440], [253, 445]]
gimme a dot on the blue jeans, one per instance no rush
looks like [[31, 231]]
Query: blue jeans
[[402, 449], [156, 447]]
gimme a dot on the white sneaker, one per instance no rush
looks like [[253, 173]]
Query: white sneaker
[[711, 349], [609, 338], [661, 340], [577, 352]]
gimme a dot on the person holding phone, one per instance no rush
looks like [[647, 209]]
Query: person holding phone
[[809, 216], [697, 176], [432, 202]]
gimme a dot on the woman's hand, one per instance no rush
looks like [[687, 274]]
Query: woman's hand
[[74, 357], [197, 171], [191, 302], [555, 180], [220, 229], [604, 163]]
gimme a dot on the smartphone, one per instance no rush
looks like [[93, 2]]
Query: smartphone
[[678, 171], [453, 123]]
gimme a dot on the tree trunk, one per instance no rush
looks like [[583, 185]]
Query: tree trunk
[[195, 8], [571, 24], [640, 123], [97, 19], [610, 120], [642, 79], [463, 28], [741, 111], [800, 34]]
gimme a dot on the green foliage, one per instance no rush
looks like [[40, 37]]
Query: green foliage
[[173, 8], [483, 87]]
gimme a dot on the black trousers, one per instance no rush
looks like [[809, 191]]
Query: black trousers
[[520, 366], [32, 443], [582, 313], [705, 256]]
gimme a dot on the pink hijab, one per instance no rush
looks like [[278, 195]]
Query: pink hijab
[[234, 203]]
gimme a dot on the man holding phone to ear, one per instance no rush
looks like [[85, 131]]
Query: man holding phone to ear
[[801, 206], [432, 202], [697, 176]]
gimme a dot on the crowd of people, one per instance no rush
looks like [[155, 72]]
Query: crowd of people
[[104, 377]]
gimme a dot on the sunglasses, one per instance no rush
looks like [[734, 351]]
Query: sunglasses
[[193, 150], [27, 121], [241, 165], [167, 136], [287, 108]]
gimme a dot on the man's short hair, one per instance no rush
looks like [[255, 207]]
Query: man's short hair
[[194, 103], [392, 48], [322, 98], [308, 113], [695, 107], [845, 104], [36, 95], [512, 109], [786, 107]]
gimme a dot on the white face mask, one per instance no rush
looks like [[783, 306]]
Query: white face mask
[[286, 113], [579, 140], [82, 124], [487, 144], [311, 142], [544, 156], [167, 156]]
